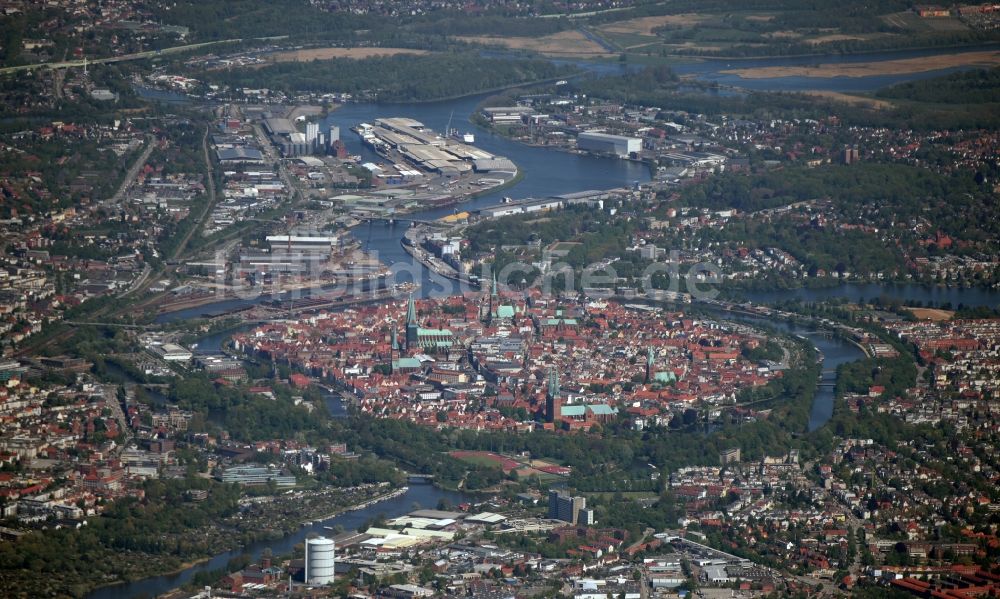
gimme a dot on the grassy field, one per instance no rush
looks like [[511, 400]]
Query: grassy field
[[523, 467], [485, 458], [310, 54], [743, 32], [647, 25], [722, 31], [932, 313], [914, 22], [868, 69], [564, 43], [479, 460], [840, 37], [863, 101]]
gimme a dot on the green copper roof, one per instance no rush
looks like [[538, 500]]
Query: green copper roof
[[505, 312], [434, 332], [556, 321], [580, 410], [664, 377]]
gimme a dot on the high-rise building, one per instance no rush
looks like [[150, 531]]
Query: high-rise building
[[850, 155], [569, 509], [729, 456]]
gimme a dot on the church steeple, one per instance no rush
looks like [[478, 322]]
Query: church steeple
[[553, 403], [411, 312], [411, 324], [493, 299], [394, 348], [649, 363], [553, 383]]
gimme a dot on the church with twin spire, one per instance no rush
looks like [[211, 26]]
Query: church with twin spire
[[423, 339]]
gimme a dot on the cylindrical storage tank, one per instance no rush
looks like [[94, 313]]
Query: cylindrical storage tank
[[319, 561]]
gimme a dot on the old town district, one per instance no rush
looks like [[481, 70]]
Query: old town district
[[519, 361]]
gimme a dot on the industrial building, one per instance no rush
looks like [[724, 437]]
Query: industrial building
[[487, 165], [256, 475], [506, 114], [427, 150], [605, 143], [289, 254], [293, 142], [171, 352], [320, 561], [239, 155], [306, 244], [588, 198], [260, 263]]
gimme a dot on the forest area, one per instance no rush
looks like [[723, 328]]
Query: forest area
[[978, 86], [396, 78]]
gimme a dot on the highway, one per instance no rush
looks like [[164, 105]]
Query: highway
[[67, 64]]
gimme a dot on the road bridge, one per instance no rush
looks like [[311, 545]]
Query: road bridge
[[121, 325], [392, 220]]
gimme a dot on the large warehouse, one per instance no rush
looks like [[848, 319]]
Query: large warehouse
[[604, 143]]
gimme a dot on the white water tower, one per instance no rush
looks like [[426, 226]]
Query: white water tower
[[319, 561]]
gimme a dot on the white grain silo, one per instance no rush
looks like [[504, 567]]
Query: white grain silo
[[319, 561]]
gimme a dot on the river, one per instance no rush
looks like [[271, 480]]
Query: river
[[855, 292], [547, 173], [835, 351], [422, 495]]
